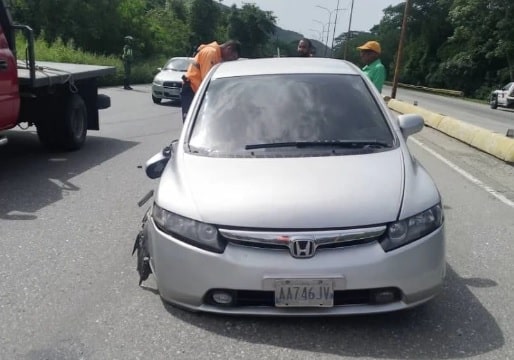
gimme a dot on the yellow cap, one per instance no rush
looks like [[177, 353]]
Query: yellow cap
[[371, 45]]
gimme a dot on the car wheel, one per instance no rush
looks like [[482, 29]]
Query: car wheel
[[494, 102], [156, 100]]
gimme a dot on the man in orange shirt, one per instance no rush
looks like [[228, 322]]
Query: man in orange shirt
[[207, 56]]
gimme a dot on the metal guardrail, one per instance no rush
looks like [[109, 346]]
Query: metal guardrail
[[456, 93]]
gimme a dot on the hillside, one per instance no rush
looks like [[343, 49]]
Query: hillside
[[289, 36]]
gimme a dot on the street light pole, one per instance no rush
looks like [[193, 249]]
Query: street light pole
[[400, 50], [348, 33], [329, 23], [335, 25], [323, 27]]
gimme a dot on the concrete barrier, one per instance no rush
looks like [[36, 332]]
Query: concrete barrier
[[488, 141]]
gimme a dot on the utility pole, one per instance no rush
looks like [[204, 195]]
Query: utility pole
[[335, 25], [348, 33], [323, 27], [400, 50], [329, 23]]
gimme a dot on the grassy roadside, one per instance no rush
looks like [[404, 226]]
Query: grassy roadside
[[143, 70]]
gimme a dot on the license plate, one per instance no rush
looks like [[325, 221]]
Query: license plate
[[173, 91], [304, 293]]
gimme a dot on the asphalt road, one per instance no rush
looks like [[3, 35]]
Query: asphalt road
[[499, 120], [68, 285]]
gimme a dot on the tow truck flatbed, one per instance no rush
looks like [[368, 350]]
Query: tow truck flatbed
[[52, 73]]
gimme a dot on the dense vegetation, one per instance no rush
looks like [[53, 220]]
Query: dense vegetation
[[463, 45]]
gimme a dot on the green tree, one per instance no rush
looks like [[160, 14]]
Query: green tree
[[179, 9], [428, 28], [203, 21], [477, 53], [253, 27]]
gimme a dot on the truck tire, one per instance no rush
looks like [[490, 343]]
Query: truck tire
[[73, 124], [493, 103]]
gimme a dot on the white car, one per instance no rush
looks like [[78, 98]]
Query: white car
[[168, 82], [503, 97], [292, 191]]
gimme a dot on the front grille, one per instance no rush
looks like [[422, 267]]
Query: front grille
[[320, 239], [267, 298], [172, 84]]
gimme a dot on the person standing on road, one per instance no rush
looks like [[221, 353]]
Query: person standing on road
[[206, 57], [127, 58], [373, 67], [304, 48]]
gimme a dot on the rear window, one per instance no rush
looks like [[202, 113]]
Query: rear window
[[240, 111]]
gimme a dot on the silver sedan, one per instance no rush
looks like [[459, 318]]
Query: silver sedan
[[291, 191], [168, 81]]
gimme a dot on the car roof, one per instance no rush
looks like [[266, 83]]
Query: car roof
[[180, 58], [269, 66]]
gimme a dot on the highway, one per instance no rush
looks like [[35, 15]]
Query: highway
[[69, 287], [499, 120]]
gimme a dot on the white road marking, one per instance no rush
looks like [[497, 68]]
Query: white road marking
[[464, 173]]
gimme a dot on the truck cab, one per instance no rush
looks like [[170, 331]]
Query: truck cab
[[503, 97], [9, 91]]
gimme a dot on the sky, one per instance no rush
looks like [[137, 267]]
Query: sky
[[305, 17]]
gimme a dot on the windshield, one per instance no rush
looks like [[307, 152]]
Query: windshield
[[242, 114], [177, 64], [507, 87]]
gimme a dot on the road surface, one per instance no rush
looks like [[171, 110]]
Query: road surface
[[68, 284]]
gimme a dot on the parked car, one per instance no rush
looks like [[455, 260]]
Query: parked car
[[168, 82], [503, 97], [291, 191]]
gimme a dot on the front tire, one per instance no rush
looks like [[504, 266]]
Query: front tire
[[493, 103], [156, 100]]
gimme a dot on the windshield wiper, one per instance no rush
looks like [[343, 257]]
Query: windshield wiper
[[356, 144]]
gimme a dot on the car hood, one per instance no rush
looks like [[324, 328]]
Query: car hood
[[293, 193], [169, 75]]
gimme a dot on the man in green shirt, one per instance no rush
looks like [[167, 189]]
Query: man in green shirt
[[127, 57], [373, 67]]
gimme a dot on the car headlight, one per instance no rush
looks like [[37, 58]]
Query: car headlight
[[158, 82], [411, 229], [199, 234]]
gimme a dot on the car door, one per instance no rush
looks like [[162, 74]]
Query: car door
[[9, 94]]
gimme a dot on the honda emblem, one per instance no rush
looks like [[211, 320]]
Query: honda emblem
[[302, 248]]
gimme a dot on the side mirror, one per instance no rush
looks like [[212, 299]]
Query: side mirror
[[159, 69], [156, 164], [410, 124]]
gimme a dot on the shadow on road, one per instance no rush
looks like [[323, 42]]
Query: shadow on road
[[171, 103], [454, 325], [32, 177]]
